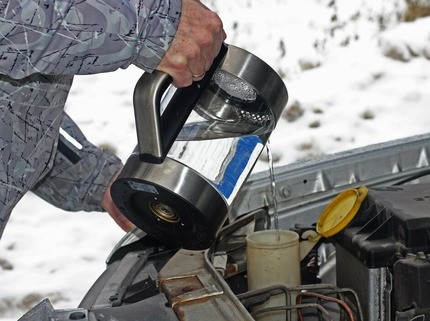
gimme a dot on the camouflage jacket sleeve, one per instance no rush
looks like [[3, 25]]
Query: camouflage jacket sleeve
[[80, 174], [73, 37]]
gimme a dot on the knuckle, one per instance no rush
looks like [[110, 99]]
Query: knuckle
[[215, 21], [179, 61], [206, 42], [194, 52]]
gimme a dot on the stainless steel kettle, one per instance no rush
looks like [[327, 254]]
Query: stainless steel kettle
[[196, 146]]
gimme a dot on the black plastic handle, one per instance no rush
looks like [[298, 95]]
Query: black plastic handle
[[157, 132]]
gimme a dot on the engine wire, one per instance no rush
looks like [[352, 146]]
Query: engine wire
[[323, 311], [255, 297], [326, 298]]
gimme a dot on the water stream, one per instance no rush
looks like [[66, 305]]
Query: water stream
[[273, 191]]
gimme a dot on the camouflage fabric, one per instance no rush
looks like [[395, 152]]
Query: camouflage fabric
[[43, 44], [84, 37], [78, 179]]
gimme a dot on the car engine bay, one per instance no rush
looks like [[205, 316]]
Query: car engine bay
[[376, 268]]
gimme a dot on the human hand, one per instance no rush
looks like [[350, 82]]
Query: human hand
[[197, 42], [109, 206]]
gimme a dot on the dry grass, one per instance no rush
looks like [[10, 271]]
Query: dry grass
[[416, 9]]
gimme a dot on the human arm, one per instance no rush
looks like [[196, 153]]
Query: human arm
[[86, 37], [81, 175]]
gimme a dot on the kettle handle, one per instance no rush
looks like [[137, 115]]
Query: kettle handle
[[157, 132]]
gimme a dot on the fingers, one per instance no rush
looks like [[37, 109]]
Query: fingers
[[197, 42], [198, 68], [109, 206]]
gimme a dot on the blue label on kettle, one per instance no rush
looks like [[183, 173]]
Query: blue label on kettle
[[239, 165]]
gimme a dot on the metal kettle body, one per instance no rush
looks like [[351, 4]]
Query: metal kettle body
[[194, 154]]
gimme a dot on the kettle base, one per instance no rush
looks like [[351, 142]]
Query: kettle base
[[170, 202]]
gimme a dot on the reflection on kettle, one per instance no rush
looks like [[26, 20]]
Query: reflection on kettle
[[228, 107], [196, 147]]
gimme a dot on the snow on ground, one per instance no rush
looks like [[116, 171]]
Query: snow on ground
[[350, 85]]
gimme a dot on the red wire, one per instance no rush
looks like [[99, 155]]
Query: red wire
[[323, 297]]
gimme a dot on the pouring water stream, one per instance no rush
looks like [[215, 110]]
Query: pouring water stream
[[273, 191]]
